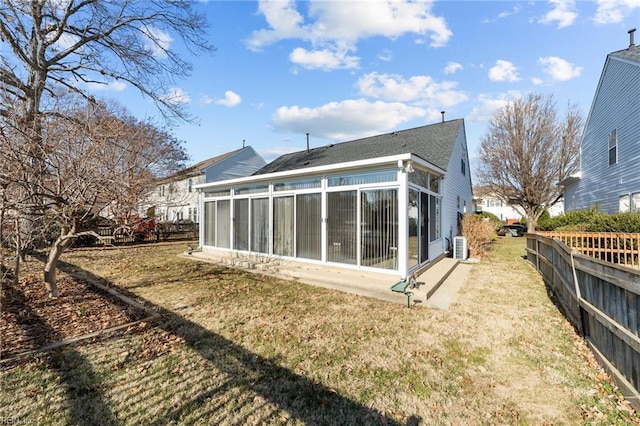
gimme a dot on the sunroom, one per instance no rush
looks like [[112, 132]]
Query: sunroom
[[349, 214], [382, 213]]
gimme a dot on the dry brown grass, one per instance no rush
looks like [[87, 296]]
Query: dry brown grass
[[236, 348]]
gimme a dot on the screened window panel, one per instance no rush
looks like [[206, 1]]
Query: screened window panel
[[363, 178], [419, 177], [309, 226], [251, 189], [210, 223], [283, 226], [300, 184], [223, 223], [434, 184], [434, 222], [425, 219], [241, 224], [342, 231], [219, 193], [414, 208], [260, 225], [379, 228]]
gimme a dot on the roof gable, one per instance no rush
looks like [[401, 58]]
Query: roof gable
[[433, 143], [199, 168]]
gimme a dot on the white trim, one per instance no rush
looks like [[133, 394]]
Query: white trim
[[317, 170]]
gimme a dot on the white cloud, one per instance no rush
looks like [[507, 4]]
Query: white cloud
[[488, 105], [64, 42], [345, 120], [284, 21], [331, 26], [176, 96], [452, 68], [206, 100], [503, 71], [231, 99], [614, 11], [563, 12], [323, 59], [504, 14], [386, 55], [559, 69], [537, 81], [270, 154], [116, 86], [335, 20], [419, 89], [157, 41]]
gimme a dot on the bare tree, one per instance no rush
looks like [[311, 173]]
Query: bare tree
[[527, 151], [94, 155], [48, 47], [16, 232], [75, 43]]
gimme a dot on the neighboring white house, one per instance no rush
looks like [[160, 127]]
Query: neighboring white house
[[175, 197], [391, 202], [487, 201], [609, 176]]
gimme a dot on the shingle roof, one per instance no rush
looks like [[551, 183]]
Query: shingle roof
[[433, 143], [632, 54], [198, 168]]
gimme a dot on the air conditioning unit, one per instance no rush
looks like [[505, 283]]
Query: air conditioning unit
[[460, 248]]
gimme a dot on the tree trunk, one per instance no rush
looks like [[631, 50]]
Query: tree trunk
[[531, 223], [58, 247], [16, 266], [50, 269]]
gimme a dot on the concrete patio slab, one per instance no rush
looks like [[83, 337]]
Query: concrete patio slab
[[436, 286]]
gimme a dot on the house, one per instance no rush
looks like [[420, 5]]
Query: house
[[487, 201], [391, 202], [610, 151], [175, 197]]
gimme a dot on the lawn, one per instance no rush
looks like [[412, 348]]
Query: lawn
[[237, 348]]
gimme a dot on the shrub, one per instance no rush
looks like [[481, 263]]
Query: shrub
[[620, 222], [576, 217], [592, 221], [480, 233], [493, 219]]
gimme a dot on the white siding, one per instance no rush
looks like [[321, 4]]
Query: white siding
[[616, 106], [456, 184], [243, 163], [175, 202]]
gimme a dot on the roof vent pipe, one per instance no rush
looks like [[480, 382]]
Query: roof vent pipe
[[307, 142], [243, 141], [631, 43], [442, 112]]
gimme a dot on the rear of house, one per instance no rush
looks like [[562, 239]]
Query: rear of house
[[390, 203], [610, 150]]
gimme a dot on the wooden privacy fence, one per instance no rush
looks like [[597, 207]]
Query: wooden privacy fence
[[613, 247], [160, 232], [602, 300]]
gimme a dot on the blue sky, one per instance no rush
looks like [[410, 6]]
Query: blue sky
[[342, 70]]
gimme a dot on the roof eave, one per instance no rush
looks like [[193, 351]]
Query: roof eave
[[570, 180]]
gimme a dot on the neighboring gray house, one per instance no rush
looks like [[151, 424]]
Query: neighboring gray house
[[609, 175], [175, 197], [390, 202]]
